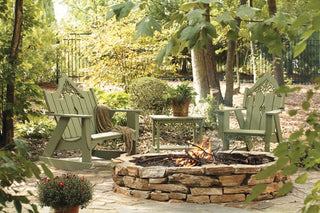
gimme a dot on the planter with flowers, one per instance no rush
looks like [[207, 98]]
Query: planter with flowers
[[180, 98], [65, 193]]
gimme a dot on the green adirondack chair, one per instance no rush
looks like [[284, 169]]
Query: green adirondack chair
[[261, 107], [73, 110]]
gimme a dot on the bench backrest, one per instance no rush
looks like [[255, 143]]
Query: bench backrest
[[69, 99], [260, 99]]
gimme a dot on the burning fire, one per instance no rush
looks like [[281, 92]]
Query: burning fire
[[197, 155]]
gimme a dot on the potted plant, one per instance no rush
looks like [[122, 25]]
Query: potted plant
[[180, 98], [65, 193]]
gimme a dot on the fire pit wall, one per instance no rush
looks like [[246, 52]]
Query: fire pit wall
[[201, 184]]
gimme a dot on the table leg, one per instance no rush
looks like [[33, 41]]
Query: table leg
[[194, 133], [200, 130], [153, 142], [158, 136]]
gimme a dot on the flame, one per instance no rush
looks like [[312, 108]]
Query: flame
[[193, 156]]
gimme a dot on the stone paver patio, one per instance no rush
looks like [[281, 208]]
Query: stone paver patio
[[105, 200]]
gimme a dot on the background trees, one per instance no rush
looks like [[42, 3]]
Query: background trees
[[24, 59]]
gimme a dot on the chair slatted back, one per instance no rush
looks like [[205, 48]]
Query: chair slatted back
[[260, 99], [69, 99]]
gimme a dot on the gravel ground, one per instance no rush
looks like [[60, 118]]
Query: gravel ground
[[179, 135]]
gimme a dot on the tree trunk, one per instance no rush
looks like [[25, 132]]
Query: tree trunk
[[253, 53], [211, 66], [7, 131], [228, 98], [277, 61], [199, 71]]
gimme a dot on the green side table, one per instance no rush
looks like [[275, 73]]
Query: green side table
[[157, 120]]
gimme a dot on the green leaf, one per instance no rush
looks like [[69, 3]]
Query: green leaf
[[293, 112], [198, 4], [313, 209], [305, 105], [17, 205], [296, 135], [307, 34], [21, 199], [256, 191], [285, 89], [286, 188], [195, 16], [146, 27], [310, 94], [245, 11], [301, 20], [47, 171], [316, 22], [225, 18], [290, 170], [271, 170], [281, 150], [301, 179], [211, 30], [164, 52], [35, 170], [299, 48], [120, 10], [281, 162]]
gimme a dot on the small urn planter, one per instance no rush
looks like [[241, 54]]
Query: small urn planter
[[74, 209], [180, 107], [180, 98]]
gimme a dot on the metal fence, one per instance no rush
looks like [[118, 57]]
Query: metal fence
[[298, 70], [73, 60]]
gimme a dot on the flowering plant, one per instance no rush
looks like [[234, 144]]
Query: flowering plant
[[65, 191]]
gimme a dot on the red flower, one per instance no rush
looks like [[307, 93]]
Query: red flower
[[81, 179], [82, 188], [68, 176], [45, 179], [61, 183]]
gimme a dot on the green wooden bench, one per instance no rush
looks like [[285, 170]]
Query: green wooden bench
[[262, 107], [73, 110]]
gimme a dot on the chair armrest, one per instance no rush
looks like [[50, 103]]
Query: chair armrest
[[224, 116], [126, 110], [68, 115], [274, 112], [229, 109]]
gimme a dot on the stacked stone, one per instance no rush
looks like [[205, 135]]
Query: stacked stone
[[205, 184]]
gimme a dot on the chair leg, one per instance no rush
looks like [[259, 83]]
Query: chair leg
[[226, 143], [134, 147], [86, 155], [248, 141]]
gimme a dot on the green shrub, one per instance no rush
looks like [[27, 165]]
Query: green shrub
[[36, 128], [115, 100], [15, 168], [147, 94], [211, 113]]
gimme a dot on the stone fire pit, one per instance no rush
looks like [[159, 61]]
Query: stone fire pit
[[210, 183]]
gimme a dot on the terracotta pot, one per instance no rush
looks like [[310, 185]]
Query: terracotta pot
[[74, 209], [181, 107]]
